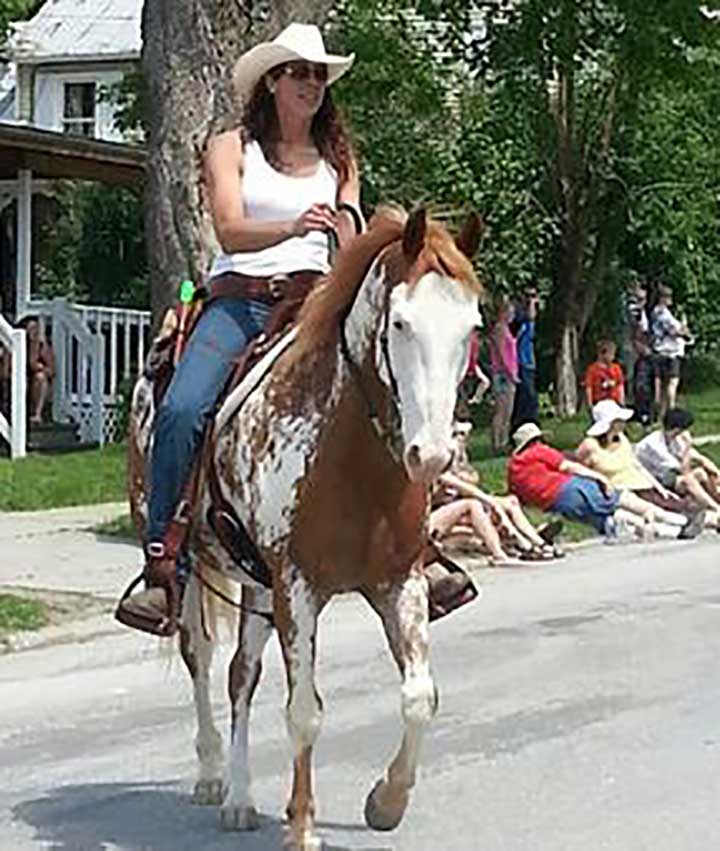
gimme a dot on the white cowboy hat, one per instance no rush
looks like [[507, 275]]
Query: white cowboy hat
[[604, 414], [525, 433], [295, 42]]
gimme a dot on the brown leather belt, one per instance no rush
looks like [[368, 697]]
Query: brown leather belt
[[274, 289]]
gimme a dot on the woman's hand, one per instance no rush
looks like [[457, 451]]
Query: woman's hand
[[317, 217]]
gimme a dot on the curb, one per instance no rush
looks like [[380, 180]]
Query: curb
[[101, 624], [73, 632]]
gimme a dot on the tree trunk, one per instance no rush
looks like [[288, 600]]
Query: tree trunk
[[566, 369], [189, 49]]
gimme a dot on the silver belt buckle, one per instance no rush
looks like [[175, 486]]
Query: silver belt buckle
[[276, 286]]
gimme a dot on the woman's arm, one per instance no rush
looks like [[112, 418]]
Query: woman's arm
[[223, 171], [577, 469], [465, 488], [585, 452]]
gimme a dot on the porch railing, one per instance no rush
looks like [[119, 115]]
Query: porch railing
[[99, 352], [13, 422]]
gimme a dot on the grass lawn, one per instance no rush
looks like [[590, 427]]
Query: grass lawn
[[56, 481], [567, 434], [81, 478], [17, 614]]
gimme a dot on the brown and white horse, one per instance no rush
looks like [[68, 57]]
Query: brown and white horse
[[327, 462]]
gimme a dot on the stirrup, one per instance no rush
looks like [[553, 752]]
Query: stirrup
[[450, 586], [156, 610]]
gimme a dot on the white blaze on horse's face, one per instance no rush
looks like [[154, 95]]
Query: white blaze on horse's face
[[429, 329]]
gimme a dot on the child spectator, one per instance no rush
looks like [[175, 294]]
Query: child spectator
[[604, 378]]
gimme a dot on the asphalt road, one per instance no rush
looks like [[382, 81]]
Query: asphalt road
[[580, 709]]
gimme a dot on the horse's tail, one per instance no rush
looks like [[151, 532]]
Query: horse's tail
[[204, 611]]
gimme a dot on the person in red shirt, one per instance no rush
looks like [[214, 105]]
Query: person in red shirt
[[542, 476], [604, 378]]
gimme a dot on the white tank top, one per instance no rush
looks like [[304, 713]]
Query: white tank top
[[270, 195]]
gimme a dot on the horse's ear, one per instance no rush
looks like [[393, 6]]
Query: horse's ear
[[468, 239], [414, 234]]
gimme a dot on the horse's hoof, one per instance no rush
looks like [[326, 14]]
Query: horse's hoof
[[305, 842], [208, 793], [239, 817], [384, 815]]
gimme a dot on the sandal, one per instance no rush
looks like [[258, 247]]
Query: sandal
[[550, 531]]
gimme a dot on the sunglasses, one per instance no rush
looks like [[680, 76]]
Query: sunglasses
[[301, 72]]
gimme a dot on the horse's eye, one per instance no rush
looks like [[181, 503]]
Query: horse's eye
[[398, 324]]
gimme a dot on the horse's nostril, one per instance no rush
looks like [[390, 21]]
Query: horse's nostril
[[413, 455]]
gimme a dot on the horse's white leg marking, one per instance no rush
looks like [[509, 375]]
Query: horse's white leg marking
[[297, 626], [405, 618], [197, 651], [238, 810]]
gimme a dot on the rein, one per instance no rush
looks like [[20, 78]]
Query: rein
[[229, 600]]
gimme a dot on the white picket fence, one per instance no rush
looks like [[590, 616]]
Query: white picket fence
[[13, 421], [99, 352]]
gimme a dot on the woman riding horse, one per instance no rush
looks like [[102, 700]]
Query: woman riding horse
[[273, 186]]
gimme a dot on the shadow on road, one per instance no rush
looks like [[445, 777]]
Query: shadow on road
[[136, 817]]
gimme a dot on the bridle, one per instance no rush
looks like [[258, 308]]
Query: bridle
[[389, 432]]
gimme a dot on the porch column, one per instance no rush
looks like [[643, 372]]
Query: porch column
[[23, 279]]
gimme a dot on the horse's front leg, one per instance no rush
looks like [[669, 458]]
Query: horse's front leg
[[238, 810], [296, 612], [196, 648], [404, 612]]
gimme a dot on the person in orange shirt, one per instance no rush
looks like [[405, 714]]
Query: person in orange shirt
[[604, 378]]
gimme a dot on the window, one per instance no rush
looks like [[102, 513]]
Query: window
[[79, 109]]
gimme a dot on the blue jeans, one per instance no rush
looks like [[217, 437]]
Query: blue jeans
[[223, 331]]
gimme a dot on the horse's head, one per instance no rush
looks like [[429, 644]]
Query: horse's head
[[431, 310]]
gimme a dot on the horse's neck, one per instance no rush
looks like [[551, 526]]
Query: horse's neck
[[362, 322]]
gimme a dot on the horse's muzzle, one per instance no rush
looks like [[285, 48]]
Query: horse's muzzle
[[425, 464]]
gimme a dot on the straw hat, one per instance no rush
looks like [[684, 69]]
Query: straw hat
[[295, 42], [525, 433], [604, 414]]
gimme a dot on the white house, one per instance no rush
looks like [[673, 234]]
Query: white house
[[56, 122], [65, 58]]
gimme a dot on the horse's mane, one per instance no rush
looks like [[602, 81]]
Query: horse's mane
[[319, 317]]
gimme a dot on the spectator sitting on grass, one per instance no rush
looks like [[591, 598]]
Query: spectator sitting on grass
[[604, 378], [607, 450], [669, 456], [542, 476], [505, 512]]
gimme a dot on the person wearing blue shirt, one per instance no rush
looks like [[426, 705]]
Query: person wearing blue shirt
[[525, 408]]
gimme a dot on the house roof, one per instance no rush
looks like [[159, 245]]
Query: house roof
[[7, 91], [55, 155], [69, 30]]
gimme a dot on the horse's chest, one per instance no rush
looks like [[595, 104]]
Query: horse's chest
[[270, 467]]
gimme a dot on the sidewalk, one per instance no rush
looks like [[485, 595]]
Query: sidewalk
[[55, 550]]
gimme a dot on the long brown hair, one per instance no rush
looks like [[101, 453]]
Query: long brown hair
[[328, 130]]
